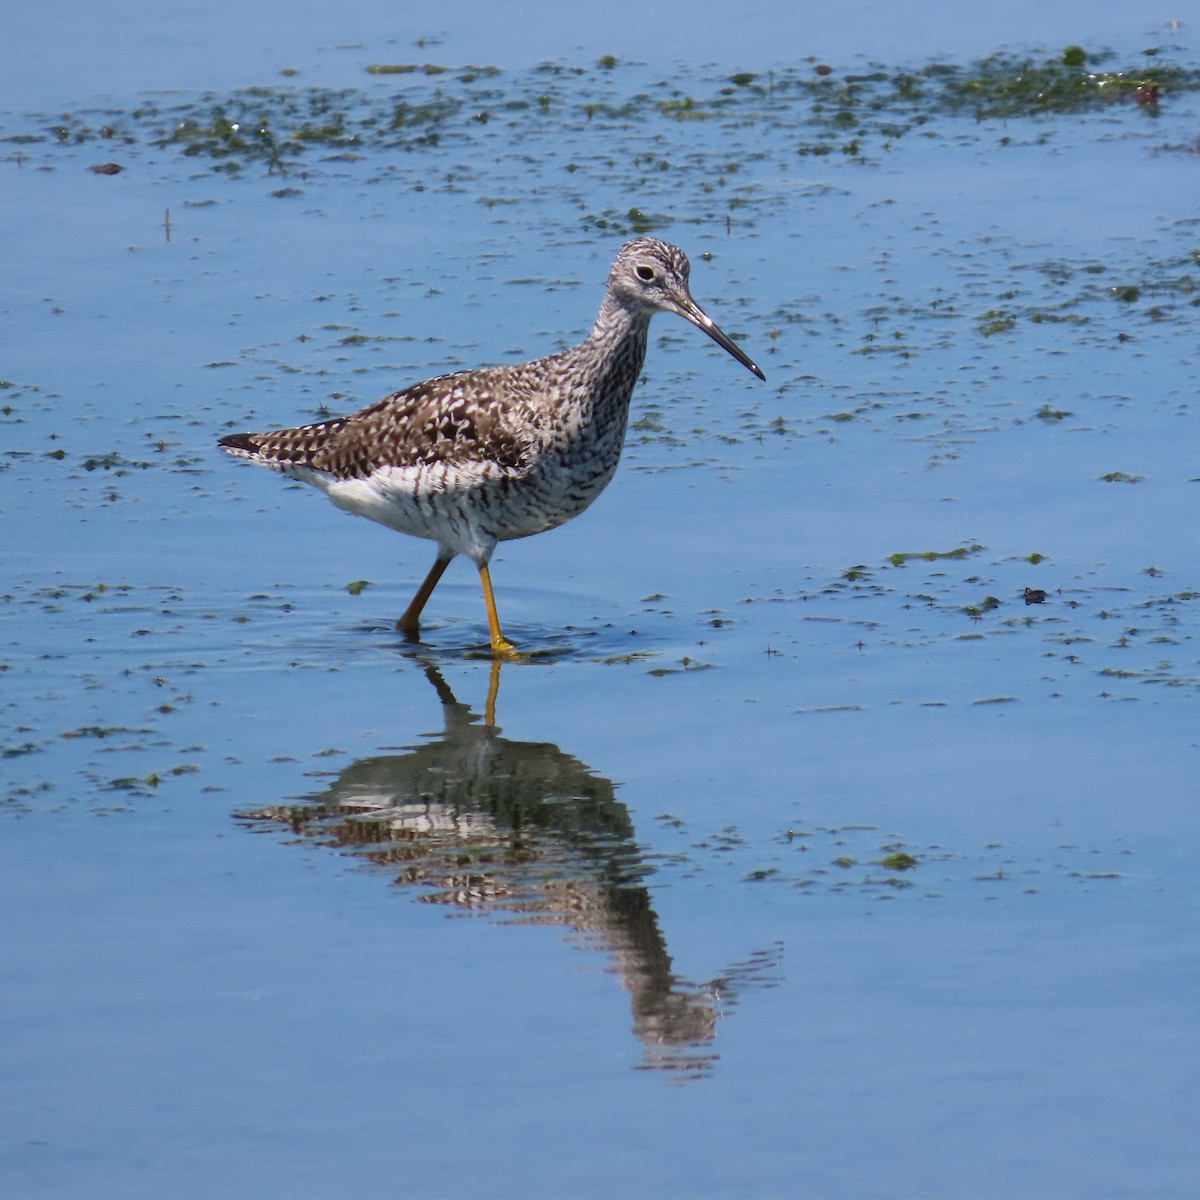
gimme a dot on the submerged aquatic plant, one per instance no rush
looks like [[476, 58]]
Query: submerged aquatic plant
[[1004, 86], [821, 110]]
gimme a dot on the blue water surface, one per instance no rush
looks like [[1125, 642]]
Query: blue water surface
[[800, 855]]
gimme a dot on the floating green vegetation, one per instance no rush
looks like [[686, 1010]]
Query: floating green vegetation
[[635, 220], [1121, 477], [129, 783], [959, 552], [404, 68], [1005, 86], [219, 135], [987, 604], [1050, 415], [684, 109], [406, 115], [1045, 316], [631, 657], [639, 222], [685, 664], [113, 461], [466, 74], [900, 861], [651, 421], [818, 111], [759, 874], [996, 321]]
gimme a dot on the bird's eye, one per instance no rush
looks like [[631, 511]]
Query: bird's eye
[[645, 273]]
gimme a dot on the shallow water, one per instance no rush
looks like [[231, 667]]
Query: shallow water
[[801, 855]]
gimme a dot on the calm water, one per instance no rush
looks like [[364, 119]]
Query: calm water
[[802, 856]]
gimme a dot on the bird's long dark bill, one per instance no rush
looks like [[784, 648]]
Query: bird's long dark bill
[[702, 320]]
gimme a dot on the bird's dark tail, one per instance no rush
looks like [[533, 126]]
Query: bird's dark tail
[[301, 447], [241, 443]]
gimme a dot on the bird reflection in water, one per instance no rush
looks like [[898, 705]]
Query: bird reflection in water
[[523, 830]]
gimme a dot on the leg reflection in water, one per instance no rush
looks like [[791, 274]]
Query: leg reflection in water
[[479, 821]]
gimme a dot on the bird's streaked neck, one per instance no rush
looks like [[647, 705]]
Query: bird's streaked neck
[[619, 337]]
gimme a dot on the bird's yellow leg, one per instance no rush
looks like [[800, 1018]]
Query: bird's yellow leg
[[500, 644], [409, 623]]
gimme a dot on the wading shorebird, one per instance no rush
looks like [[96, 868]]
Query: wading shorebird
[[478, 457]]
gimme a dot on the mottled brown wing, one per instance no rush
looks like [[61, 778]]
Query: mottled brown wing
[[431, 422]]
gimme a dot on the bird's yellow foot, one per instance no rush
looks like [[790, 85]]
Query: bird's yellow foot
[[503, 648]]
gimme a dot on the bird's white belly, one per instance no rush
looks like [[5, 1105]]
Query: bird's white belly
[[466, 510]]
